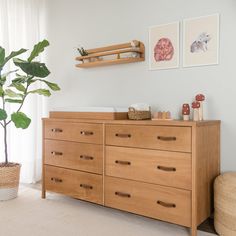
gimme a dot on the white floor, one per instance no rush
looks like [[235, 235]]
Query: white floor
[[29, 215]]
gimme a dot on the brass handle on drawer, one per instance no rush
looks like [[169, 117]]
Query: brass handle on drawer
[[57, 130], [123, 135], [86, 157], [87, 133], [164, 138], [86, 186], [56, 180], [120, 194], [123, 162], [56, 153], [165, 204], [164, 168]]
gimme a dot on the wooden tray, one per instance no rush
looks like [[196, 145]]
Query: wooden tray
[[89, 115]]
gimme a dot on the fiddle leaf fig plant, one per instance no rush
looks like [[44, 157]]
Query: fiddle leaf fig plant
[[15, 89]]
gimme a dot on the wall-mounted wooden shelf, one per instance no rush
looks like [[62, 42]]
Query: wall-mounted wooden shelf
[[114, 54]]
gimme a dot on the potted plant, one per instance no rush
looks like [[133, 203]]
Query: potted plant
[[16, 90], [83, 53]]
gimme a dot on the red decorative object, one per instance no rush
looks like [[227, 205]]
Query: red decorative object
[[163, 50], [195, 104], [185, 109], [200, 97]]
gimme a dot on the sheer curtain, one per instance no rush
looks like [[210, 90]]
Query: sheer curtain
[[20, 28]]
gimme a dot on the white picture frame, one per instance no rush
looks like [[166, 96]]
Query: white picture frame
[[164, 35], [201, 41]]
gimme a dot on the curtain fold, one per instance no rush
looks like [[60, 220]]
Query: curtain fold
[[20, 28]]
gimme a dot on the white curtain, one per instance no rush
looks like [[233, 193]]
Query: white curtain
[[20, 28]]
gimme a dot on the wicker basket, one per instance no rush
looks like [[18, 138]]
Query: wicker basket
[[9, 181], [139, 115], [225, 204]]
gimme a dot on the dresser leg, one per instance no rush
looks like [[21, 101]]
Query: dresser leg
[[194, 231], [43, 194]]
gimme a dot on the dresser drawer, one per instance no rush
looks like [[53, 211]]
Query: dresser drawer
[[152, 166], [79, 156], [154, 137], [74, 183], [164, 203], [78, 132]]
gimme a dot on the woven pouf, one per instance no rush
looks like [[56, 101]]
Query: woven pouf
[[225, 204]]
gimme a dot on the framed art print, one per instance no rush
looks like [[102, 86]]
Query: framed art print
[[201, 41], [164, 46]]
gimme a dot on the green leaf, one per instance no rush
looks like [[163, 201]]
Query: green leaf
[[13, 100], [20, 120], [14, 54], [52, 86], [20, 87], [3, 114], [1, 91], [21, 78], [38, 48], [2, 55], [43, 92], [10, 93], [31, 81], [37, 69], [2, 80]]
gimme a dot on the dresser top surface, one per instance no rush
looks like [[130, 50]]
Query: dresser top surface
[[138, 122]]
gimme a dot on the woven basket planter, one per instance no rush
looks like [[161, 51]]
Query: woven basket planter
[[9, 181], [225, 204], [139, 115]]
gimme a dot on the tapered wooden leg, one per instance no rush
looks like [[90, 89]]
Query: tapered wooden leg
[[43, 189], [194, 231], [43, 194]]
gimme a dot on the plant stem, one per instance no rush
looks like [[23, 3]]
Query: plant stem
[[5, 133], [5, 142]]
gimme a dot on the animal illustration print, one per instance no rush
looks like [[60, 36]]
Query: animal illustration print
[[201, 43]]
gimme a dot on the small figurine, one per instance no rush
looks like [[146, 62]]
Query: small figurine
[[196, 106], [162, 115], [200, 98], [168, 115], [186, 111]]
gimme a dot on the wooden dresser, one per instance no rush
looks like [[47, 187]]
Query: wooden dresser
[[159, 169]]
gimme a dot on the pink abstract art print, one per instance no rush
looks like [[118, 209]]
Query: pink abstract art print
[[164, 46], [163, 50]]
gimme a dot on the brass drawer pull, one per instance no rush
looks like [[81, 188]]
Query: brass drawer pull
[[123, 162], [86, 157], [86, 133], [165, 204], [120, 194], [163, 138], [86, 186], [123, 135], [56, 153], [164, 168], [57, 130], [56, 180]]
